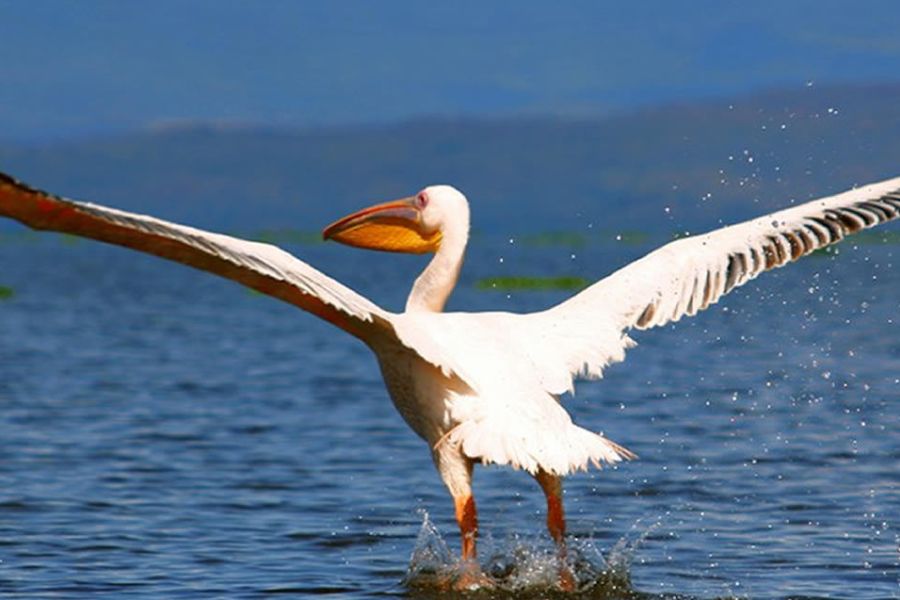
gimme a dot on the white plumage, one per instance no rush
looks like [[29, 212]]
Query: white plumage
[[485, 387]]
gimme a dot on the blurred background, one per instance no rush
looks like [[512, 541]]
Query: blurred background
[[166, 434], [230, 114]]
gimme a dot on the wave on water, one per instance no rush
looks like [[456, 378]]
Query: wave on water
[[521, 568]]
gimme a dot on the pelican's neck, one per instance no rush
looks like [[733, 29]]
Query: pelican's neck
[[435, 284]]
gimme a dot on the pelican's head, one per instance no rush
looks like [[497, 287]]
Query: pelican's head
[[415, 225]]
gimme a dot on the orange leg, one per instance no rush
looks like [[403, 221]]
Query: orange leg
[[456, 471], [470, 576], [556, 524], [467, 518], [556, 518]]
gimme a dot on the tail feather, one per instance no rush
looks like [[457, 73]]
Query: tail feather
[[557, 452]]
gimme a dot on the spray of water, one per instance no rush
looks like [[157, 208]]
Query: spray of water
[[526, 568]]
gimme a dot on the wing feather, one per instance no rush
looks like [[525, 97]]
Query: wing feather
[[262, 267], [589, 331]]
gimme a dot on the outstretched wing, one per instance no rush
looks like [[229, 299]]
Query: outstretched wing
[[582, 335], [262, 267]]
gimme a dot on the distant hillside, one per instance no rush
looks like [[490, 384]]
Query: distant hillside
[[71, 71], [705, 163]]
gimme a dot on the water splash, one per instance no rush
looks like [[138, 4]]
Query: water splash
[[519, 567], [621, 556], [431, 557]]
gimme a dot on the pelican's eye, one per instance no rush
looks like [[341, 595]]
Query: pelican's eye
[[422, 200]]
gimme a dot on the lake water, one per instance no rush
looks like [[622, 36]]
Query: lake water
[[166, 434]]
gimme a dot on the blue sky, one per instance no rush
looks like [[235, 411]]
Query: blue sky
[[95, 67]]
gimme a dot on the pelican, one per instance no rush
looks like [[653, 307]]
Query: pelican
[[484, 387]]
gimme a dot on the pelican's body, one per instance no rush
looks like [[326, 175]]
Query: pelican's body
[[485, 387]]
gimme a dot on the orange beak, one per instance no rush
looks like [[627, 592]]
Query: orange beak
[[394, 226]]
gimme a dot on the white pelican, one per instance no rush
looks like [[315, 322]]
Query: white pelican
[[484, 387]]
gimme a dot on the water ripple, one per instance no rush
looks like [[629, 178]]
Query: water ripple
[[227, 446]]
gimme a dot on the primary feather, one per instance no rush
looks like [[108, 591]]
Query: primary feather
[[487, 385]]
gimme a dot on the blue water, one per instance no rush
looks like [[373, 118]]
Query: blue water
[[166, 434]]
